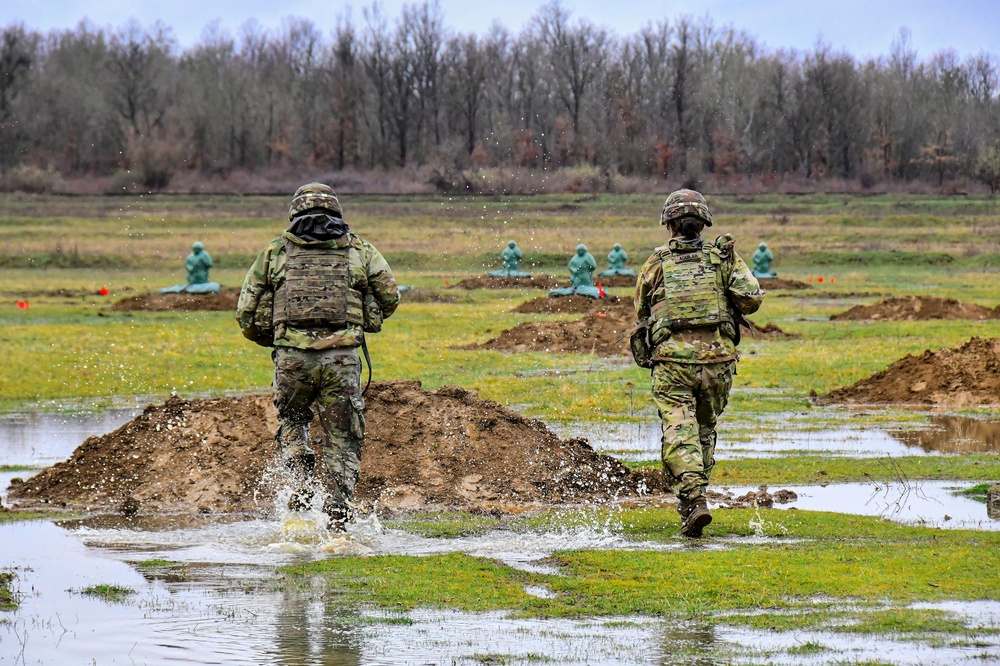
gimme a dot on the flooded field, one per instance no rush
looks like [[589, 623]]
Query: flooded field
[[785, 433], [203, 590], [214, 602], [923, 503]]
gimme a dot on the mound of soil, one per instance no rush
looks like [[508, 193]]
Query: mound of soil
[[570, 304], [770, 284], [616, 281], [421, 295], [968, 375], [534, 282], [221, 301], [596, 333], [423, 448], [768, 331], [911, 308]]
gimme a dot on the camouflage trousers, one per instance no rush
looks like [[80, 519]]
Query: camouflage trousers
[[690, 397], [330, 379]]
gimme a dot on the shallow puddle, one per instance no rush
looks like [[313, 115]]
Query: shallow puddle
[[924, 503], [40, 439], [948, 435], [955, 434], [217, 605]]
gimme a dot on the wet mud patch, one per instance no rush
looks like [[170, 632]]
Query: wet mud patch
[[443, 448], [966, 375], [917, 308], [600, 332], [571, 304], [488, 282], [954, 435], [616, 281], [422, 295], [769, 331], [224, 300], [769, 284]]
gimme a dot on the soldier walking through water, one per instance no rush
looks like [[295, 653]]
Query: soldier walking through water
[[689, 298], [311, 295]]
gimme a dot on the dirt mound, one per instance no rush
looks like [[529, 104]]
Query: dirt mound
[[596, 333], [221, 301], [570, 304], [422, 295], [968, 375], [771, 284], [768, 331], [911, 308], [616, 281], [534, 282], [424, 448]]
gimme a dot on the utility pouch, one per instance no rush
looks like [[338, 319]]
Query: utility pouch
[[372, 312], [641, 345], [263, 320]]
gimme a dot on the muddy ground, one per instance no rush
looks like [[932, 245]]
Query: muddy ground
[[967, 375], [598, 332], [769, 331], [572, 304], [425, 295], [912, 308], [443, 448], [224, 300], [773, 284], [534, 282]]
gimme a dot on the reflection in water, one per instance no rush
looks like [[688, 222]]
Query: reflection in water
[[993, 502], [43, 438], [925, 503], [690, 643], [955, 434], [312, 632]]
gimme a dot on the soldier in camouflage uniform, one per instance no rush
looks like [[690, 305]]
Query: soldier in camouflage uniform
[[311, 295], [686, 293]]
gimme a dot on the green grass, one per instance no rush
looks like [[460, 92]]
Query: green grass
[[9, 599], [17, 468], [112, 593], [13, 516], [814, 469], [156, 564], [840, 559], [779, 570], [979, 492]]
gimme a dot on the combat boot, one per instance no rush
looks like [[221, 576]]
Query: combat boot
[[301, 499], [337, 520], [697, 518]]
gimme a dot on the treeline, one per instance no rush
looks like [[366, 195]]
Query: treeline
[[681, 98]]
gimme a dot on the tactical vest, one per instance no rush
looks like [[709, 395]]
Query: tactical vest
[[316, 291], [694, 291]]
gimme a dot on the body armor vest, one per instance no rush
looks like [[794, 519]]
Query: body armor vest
[[694, 292], [316, 291]]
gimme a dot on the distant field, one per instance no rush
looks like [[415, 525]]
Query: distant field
[[69, 346], [428, 232]]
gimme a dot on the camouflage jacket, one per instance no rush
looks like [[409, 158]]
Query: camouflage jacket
[[370, 274], [706, 345]]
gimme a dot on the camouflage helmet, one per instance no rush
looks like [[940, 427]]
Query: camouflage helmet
[[315, 195], [686, 203]]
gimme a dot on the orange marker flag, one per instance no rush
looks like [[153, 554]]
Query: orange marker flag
[[103, 291]]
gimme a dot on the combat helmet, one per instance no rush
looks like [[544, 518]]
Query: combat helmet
[[684, 203], [315, 195]]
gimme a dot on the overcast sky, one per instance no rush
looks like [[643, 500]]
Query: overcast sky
[[861, 27]]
